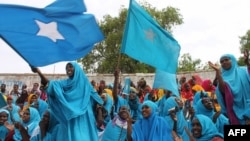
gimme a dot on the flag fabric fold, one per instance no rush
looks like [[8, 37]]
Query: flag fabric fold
[[126, 88], [167, 81], [53, 34], [146, 41]]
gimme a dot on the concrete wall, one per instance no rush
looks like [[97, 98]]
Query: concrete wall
[[30, 78]]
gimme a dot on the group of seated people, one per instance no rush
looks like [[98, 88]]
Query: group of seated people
[[153, 114], [143, 114]]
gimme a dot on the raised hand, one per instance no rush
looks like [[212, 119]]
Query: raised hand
[[34, 69], [214, 66], [246, 56]]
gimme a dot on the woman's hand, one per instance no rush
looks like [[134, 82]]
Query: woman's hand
[[246, 56], [216, 67], [34, 69], [9, 126]]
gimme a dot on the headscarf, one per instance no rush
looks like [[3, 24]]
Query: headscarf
[[208, 86], [197, 78], [237, 91], [42, 107], [198, 95], [153, 128], [109, 91], [197, 88], [29, 101], [181, 121], [3, 130], [70, 98], [31, 125], [220, 121], [116, 130], [109, 103], [186, 94], [208, 131]]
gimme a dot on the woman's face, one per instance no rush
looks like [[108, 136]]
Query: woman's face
[[33, 99], [3, 117], [179, 102], [70, 70], [146, 111], [196, 128], [46, 117], [226, 63], [207, 102], [26, 116], [123, 112]]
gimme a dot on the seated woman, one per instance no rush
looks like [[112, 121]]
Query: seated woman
[[175, 117], [6, 127], [14, 110], [25, 130], [116, 130], [205, 106], [151, 127], [49, 129], [203, 129]]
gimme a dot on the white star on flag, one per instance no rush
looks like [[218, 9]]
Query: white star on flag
[[49, 30], [150, 34]]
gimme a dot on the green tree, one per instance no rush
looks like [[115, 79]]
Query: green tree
[[186, 63], [105, 55], [244, 44]]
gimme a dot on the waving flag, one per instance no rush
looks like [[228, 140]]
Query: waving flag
[[59, 32], [165, 80], [146, 41], [126, 88]]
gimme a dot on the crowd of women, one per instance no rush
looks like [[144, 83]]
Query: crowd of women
[[77, 109]]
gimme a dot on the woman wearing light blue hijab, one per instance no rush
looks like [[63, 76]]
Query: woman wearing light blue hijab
[[4, 117], [175, 118], [116, 129], [233, 87], [206, 107], [151, 127], [72, 102], [30, 120], [203, 129], [49, 128]]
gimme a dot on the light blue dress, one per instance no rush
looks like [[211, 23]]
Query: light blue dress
[[72, 102]]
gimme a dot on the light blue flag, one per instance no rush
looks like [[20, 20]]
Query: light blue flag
[[59, 32], [126, 88], [145, 40], [165, 80], [3, 102]]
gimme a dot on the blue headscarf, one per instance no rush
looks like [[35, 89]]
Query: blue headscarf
[[220, 121], [15, 113], [3, 130], [238, 80], [42, 106], [114, 132], [181, 121], [208, 131], [197, 97], [153, 128], [70, 98], [31, 125], [109, 103]]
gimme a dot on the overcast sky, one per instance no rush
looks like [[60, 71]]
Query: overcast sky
[[211, 28]]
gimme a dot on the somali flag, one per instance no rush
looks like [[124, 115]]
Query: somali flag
[[167, 81], [42, 36], [146, 41]]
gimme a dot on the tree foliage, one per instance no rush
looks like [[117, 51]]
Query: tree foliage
[[105, 56], [244, 44], [186, 63]]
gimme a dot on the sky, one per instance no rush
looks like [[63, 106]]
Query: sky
[[211, 28]]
